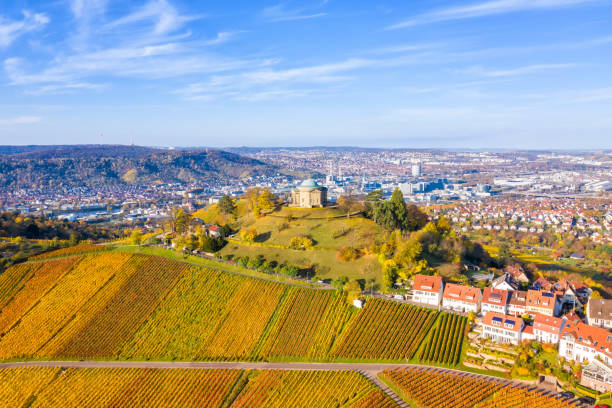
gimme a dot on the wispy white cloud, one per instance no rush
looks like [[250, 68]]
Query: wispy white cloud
[[19, 120], [529, 69], [164, 16], [145, 44], [281, 12], [487, 8], [222, 38], [87, 14], [10, 30], [261, 84], [401, 48], [85, 9]]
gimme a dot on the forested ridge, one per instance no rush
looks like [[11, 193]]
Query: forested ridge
[[110, 165]]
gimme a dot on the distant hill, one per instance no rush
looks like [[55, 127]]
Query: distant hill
[[115, 165]]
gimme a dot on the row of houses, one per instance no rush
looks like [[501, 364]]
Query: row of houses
[[500, 298], [502, 307]]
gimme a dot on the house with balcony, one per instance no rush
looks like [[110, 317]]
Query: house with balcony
[[461, 298], [542, 302], [494, 300], [547, 329], [502, 328], [427, 290], [583, 343], [517, 305]]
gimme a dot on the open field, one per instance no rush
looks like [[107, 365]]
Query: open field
[[324, 262], [330, 230], [120, 305], [132, 387]]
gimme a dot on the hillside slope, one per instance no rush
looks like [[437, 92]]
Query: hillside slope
[[109, 165], [117, 305]]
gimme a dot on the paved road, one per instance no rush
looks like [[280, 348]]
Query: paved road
[[369, 370]]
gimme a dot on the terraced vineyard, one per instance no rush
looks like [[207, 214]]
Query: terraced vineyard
[[445, 341], [132, 387], [436, 388], [130, 306], [386, 330], [74, 250]]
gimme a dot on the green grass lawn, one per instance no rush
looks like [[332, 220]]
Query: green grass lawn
[[326, 265], [322, 225]]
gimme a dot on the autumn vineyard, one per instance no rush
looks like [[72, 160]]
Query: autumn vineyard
[[98, 303], [118, 305], [438, 388], [215, 388]]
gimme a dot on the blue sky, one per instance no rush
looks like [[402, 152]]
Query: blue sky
[[457, 74]]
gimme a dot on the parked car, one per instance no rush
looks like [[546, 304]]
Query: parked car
[[567, 394], [587, 400], [398, 297], [602, 406]]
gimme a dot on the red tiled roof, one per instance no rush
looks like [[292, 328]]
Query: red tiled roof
[[495, 296], [596, 338], [548, 324], [427, 283], [465, 294], [541, 299]]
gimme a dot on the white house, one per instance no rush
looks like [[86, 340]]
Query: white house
[[547, 329], [581, 342], [461, 298], [539, 301], [599, 313], [502, 328], [427, 290], [505, 282], [494, 300], [517, 306]]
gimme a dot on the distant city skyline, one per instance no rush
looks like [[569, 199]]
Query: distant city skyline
[[468, 74]]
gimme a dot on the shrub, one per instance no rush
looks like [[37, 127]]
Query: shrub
[[290, 270], [243, 261], [347, 254], [339, 283], [248, 235], [302, 243]]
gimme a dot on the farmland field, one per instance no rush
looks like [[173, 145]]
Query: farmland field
[[436, 388], [210, 388], [119, 305], [444, 344], [385, 330]]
